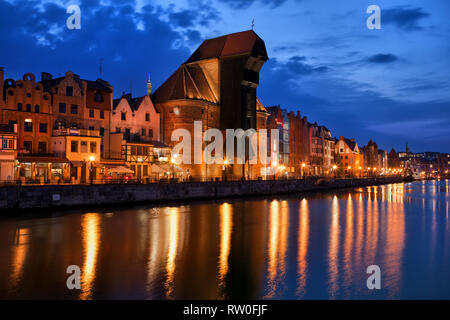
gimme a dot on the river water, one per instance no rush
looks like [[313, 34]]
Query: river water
[[307, 246]]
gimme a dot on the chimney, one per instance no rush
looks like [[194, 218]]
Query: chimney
[[46, 76]]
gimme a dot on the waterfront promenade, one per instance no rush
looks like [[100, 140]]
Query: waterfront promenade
[[13, 198]]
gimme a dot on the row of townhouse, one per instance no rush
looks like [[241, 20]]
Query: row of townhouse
[[70, 129]]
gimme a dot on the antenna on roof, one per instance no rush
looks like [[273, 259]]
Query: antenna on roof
[[149, 85], [253, 23], [100, 66]]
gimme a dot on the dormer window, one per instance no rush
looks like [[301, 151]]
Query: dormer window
[[98, 97]]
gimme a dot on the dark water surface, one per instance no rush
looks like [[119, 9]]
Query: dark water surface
[[310, 246]]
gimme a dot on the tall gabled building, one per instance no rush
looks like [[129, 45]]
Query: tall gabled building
[[217, 86]]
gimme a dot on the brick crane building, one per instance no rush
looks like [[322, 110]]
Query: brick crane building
[[217, 86]]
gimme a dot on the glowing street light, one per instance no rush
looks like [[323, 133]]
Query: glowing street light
[[91, 159]]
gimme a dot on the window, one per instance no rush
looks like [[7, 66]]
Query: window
[[12, 123], [150, 133], [19, 107], [342, 150], [123, 116], [28, 145], [127, 134], [145, 170], [147, 117], [102, 114], [73, 109], [42, 146], [117, 130], [102, 132], [28, 125], [98, 97], [36, 108], [8, 144], [59, 124], [143, 132], [93, 146], [91, 113], [74, 146], [91, 128], [28, 107], [43, 127], [83, 147], [69, 91], [62, 108]]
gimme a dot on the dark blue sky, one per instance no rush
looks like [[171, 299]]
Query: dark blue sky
[[391, 85]]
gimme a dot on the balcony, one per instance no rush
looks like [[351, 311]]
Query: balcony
[[76, 132]]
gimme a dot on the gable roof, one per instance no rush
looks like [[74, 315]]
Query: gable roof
[[259, 106], [228, 45], [133, 103], [188, 82]]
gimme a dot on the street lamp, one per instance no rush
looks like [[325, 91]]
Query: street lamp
[[173, 161], [225, 164], [334, 170], [303, 169], [91, 159]]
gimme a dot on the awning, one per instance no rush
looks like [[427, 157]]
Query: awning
[[120, 169], [157, 169], [42, 159], [170, 168]]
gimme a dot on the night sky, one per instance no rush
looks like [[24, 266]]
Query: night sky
[[391, 85]]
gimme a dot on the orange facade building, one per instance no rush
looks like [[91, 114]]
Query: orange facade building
[[351, 159]]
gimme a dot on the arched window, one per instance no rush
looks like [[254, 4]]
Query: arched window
[[28, 107], [19, 106], [36, 108]]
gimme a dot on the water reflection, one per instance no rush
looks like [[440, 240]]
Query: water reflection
[[333, 250], [303, 234], [20, 250], [311, 246], [173, 233], [91, 241], [226, 227], [278, 230]]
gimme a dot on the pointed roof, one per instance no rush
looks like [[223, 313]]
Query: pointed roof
[[229, 45], [259, 106], [188, 82]]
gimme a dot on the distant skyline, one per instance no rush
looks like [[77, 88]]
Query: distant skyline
[[389, 85]]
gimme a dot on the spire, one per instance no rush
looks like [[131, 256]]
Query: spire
[[253, 23], [149, 85]]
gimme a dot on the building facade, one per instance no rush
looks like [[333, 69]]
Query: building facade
[[351, 160], [216, 86]]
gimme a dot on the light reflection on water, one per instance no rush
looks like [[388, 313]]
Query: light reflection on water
[[315, 246]]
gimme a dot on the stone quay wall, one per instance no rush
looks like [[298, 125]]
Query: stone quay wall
[[22, 198]]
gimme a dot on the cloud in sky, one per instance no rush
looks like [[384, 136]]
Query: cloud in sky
[[406, 18], [244, 4], [324, 63], [382, 58]]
